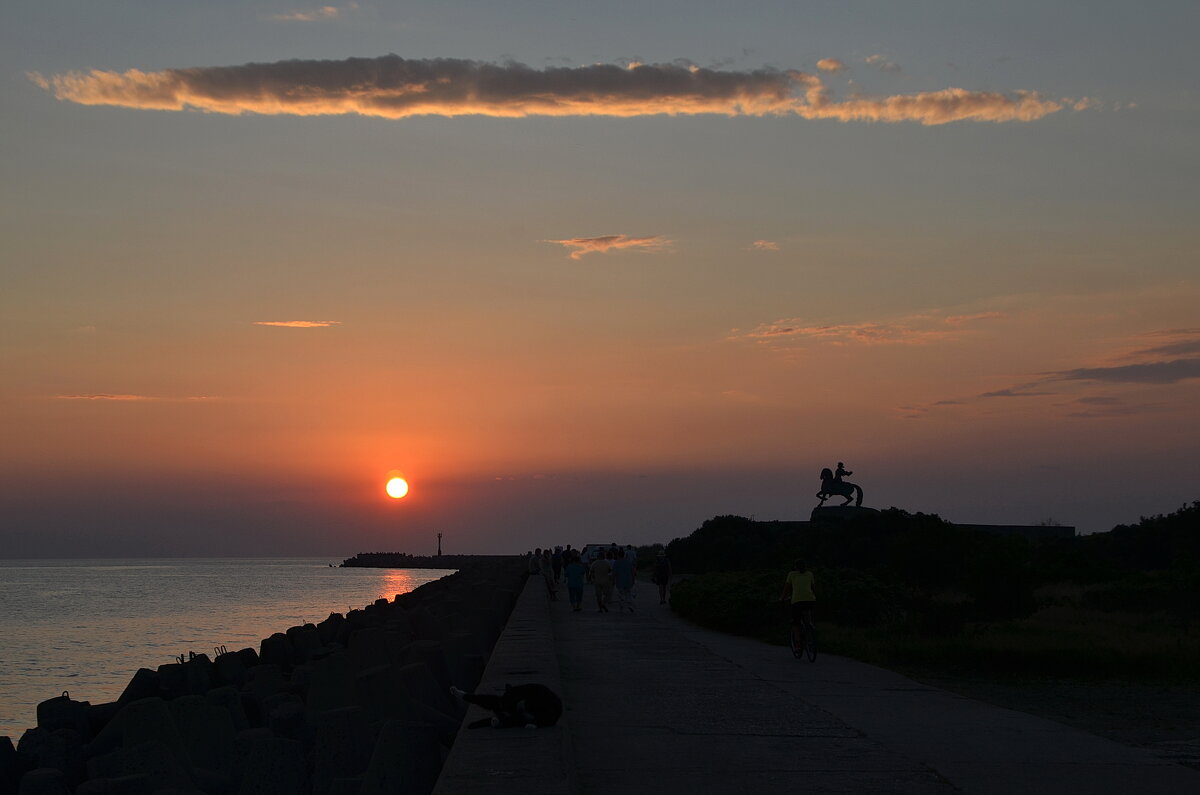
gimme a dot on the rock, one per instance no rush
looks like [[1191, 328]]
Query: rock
[[271, 765], [124, 785], [149, 720], [342, 743], [229, 669], [345, 786], [331, 683], [144, 684], [155, 760], [44, 781], [369, 648], [327, 630], [275, 650], [61, 712], [286, 717], [406, 761], [61, 749], [433, 655], [99, 716], [305, 640], [208, 733], [423, 686], [12, 766], [230, 700]]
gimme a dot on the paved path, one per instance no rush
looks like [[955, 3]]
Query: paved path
[[657, 705]]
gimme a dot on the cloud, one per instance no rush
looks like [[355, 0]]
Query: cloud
[[105, 397], [130, 398], [1093, 407], [299, 323], [765, 245], [958, 320], [1186, 344], [1015, 392], [602, 244], [865, 333], [315, 15], [395, 88], [914, 330], [881, 63], [1168, 372], [830, 65]]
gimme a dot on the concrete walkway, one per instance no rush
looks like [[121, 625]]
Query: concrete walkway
[[657, 705]]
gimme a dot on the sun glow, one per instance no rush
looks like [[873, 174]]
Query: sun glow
[[397, 488]]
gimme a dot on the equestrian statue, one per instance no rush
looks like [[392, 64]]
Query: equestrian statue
[[832, 485]]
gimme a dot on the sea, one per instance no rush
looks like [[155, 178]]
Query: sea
[[84, 627]]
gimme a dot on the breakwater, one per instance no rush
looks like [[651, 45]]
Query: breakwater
[[354, 705], [403, 560]]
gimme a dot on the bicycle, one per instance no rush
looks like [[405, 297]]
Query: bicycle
[[806, 643]]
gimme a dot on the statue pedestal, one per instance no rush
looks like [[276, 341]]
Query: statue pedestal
[[840, 513]]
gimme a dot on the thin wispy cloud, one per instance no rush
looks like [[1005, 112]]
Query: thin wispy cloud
[[101, 396], [1185, 342], [958, 320], [605, 243], [121, 398], [830, 65], [1015, 392], [298, 323], [1153, 370], [1099, 407], [323, 13], [1168, 372], [395, 88], [916, 330], [764, 245]]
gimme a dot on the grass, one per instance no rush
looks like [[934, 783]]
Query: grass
[[1055, 641], [1065, 638]]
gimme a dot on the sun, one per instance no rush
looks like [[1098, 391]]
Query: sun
[[397, 488]]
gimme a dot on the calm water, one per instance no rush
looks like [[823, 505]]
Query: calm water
[[87, 625]]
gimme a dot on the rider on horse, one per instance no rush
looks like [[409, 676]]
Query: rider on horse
[[833, 485]]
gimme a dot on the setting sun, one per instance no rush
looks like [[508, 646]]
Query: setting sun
[[397, 488]]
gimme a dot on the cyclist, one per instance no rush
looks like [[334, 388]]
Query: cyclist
[[799, 588]]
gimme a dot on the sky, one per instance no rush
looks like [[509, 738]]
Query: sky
[[588, 272]]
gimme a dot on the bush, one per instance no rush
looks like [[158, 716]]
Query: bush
[[740, 603]]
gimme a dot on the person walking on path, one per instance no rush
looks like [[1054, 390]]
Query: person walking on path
[[662, 575], [556, 560], [623, 576], [601, 574], [575, 574], [547, 571]]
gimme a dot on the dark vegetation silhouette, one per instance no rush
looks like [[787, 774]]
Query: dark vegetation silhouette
[[914, 579]]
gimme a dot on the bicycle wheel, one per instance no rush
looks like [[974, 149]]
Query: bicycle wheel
[[810, 643], [797, 644]]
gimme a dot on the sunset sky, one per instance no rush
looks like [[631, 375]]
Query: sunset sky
[[588, 271]]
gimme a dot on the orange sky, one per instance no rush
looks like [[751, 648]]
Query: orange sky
[[587, 281]]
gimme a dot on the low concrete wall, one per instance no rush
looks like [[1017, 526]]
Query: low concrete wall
[[504, 761]]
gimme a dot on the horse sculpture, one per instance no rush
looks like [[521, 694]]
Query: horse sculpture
[[835, 487]]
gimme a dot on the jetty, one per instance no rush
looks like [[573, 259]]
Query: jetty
[[361, 704], [657, 705]]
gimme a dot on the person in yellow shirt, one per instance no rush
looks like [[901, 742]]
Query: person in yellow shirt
[[799, 589]]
